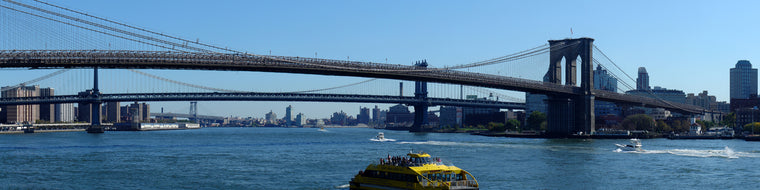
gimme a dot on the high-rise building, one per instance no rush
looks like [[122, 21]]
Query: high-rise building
[[113, 112], [605, 81], [642, 82], [47, 111], [288, 115], [64, 112], [21, 113], [376, 114], [135, 113], [363, 116], [300, 120], [743, 80]]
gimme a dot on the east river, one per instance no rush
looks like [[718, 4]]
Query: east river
[[304, 158]]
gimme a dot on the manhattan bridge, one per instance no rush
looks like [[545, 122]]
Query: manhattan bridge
[[40, 35]]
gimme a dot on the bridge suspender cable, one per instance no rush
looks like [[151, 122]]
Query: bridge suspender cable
[[134, 27], [82, 27]]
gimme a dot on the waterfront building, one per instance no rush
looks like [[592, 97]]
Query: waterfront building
[[702, 99], [300, 120], [363, 116], [112, 112], [21, 113], [642, 82], [339, 118], [64, 112], [47, 111], [271, 117], [743, 82], [136, 112], [659, 114], [671, 95], [399, 114], [450, 116]]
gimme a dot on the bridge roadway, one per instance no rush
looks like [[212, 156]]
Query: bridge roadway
[[256, 96], [285, 64]]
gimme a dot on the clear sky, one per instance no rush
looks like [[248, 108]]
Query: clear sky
[[686, 45]]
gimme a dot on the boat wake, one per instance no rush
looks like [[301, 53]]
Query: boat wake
[[724, 153], [382, 140]]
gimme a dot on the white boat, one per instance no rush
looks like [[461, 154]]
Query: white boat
[[635, 145], [381, 137], [322, 129]]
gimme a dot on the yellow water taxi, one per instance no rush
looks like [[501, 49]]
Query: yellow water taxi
[[415, 171]]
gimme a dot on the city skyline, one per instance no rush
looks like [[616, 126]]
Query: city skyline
[[654, 35]]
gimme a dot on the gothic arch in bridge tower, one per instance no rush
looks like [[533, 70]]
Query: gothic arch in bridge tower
[[571, 114]]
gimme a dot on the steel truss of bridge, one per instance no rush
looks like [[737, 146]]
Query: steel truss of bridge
[[286, 64], [255, 96]]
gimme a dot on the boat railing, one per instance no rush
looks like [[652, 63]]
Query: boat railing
[[464, 183], [427, 182]]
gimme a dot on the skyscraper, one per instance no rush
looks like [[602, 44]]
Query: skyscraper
[[743, 80], [642, 82], [113, 112], [21, 113], [604, 81], [288, 115], [363, 116], [376, 114], [64, 112], [47, 111]]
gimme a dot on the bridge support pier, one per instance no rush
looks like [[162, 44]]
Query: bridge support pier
[[95, 107], [421, 107], [561, 119]]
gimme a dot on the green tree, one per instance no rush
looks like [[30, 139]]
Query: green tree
[[496, 127], [663, 127], [729, 120], [513, 125], [536, 121], [752, 127], [638, 122]]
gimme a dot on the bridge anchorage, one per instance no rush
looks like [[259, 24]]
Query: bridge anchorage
[[571, 114]]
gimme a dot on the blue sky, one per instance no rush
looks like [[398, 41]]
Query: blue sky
[[686, 45]]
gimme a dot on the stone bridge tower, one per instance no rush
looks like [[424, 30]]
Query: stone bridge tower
[[571, 114]]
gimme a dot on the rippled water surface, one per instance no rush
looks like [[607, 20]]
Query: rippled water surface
[[279, 158]]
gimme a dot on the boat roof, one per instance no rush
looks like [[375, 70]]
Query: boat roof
[[418, 155]]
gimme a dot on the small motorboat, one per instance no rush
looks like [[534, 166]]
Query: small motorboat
[[322, 129], [381, 137], [634, 145]]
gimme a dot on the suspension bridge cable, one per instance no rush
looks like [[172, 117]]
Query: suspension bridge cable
[[182, 83], [134, 27], [337, 87], [93, 30], [613, 75], [38, 79], [647, 90], [613, 63], [108, 27]]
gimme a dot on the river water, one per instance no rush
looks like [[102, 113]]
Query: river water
[[298, 158]]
